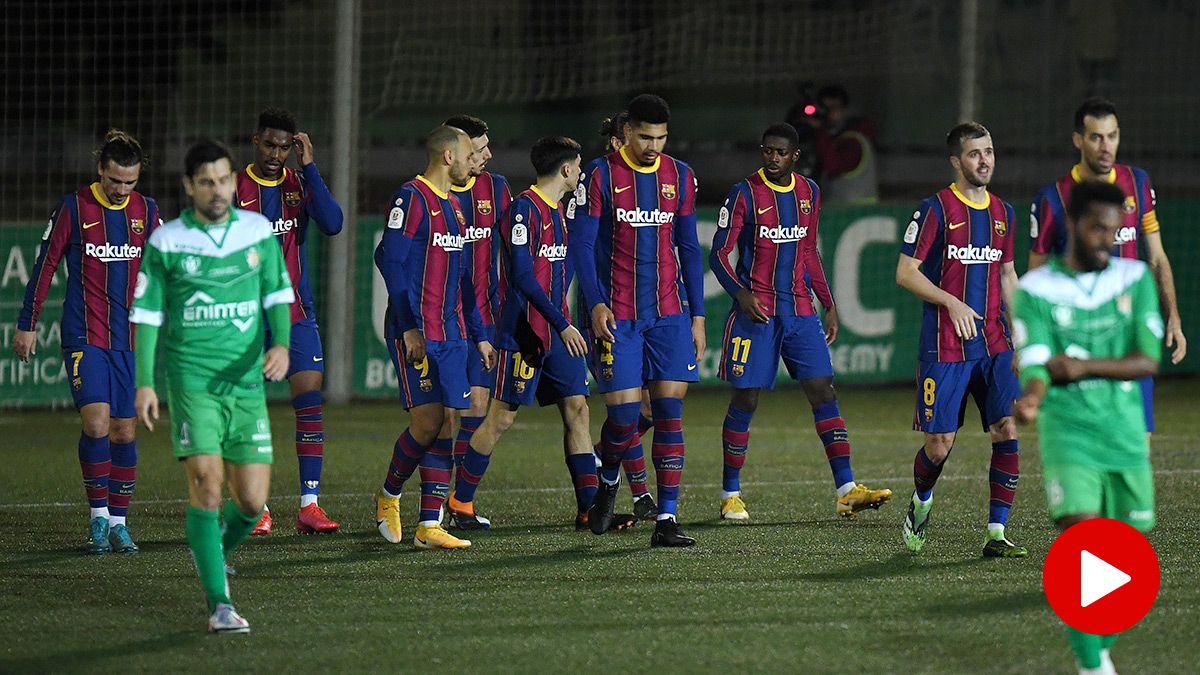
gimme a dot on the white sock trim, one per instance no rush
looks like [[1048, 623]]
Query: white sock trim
[[726, 495], [113, 521], [305, 500], [101, 512], [844, 488]]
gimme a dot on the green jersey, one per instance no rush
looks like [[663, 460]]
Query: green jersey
[[211, 285], [1094, 315]]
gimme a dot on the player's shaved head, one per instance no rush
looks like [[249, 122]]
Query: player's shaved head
[[443, 138], [962, 132]]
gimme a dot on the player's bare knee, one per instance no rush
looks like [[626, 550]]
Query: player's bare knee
[[121, 430], [96, 426], [206, 489], [1004, 430], [819, 391], [745, 399], [938, 446]]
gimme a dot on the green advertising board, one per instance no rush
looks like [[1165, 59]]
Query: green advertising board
[[877, 342]]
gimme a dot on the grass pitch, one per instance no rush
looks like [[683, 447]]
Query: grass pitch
[[795, 589]]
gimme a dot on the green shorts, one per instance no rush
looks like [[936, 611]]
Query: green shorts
[[234, 427], [1126, 495]]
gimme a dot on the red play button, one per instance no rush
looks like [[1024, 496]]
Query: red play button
[[1101, 576]]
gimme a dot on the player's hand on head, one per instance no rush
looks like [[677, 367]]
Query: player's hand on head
[[275, 363], [146, 405], [24, 344], [414, 345], [831, 325], [304, 148], [1176, 339], [576, 345], [603, 322], [488, 353]]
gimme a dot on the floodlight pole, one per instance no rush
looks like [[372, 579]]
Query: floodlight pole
[[339, 262]]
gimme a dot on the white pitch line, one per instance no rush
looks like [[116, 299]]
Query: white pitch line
[[551, 490]]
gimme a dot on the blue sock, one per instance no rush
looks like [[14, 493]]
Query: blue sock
[[436, 467], [583, 477], [1003, 476], [122, 478], [467, 425], [95, 459], [615, 436], [831, 428], [470, 472], [735, 440], [310, 440]]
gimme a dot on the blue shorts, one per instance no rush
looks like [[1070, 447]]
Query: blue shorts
[[440, 378], [99, 375], [476, 375], [304, 347], [645, 350], [1148, 401], [942, 390], [558, 376], [751, 351]]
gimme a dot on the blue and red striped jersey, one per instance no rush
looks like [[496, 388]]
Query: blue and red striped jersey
[[962, 245], [290, 202], [774, 230], [533, 271], [102, 245], [421, 260], [633, 233], [482, 201], [1048, 217]]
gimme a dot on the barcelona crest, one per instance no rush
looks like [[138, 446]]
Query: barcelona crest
[[607, 373], [738, 370], [1130, 204], [929, 414], [1001, 227], [519, 386], [668, 190], [137, 225], [426, 384], [483, 206], [806, 206], [291, 198]]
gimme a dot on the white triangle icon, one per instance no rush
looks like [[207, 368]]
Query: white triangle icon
[[1097, 578]]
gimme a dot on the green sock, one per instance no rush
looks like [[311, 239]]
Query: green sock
[[1106, 641], [237, 526], [1086, 646], [204, 537]]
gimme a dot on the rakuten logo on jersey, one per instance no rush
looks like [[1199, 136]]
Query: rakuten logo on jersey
[[1126, 235], [553, 252], [282, 226], [113, 253], [973, 255], [782, 235], [644, 218], [476, 233], [448, 242]]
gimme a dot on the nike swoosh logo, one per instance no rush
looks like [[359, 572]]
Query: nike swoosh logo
[[467, 395], [318, 359], [955, 226], [762, 211], [619, 190], [88, 226], [547, 225], [242, 203], [692, 367], [435, 213]]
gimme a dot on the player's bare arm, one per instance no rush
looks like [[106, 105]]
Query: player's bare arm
[[488, 353], [1065, 369], [910, 278], [146, 404], [699, 339], [414, 345], [24, 344], [1164, 278]]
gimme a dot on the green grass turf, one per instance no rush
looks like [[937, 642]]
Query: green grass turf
[[796, 589]]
